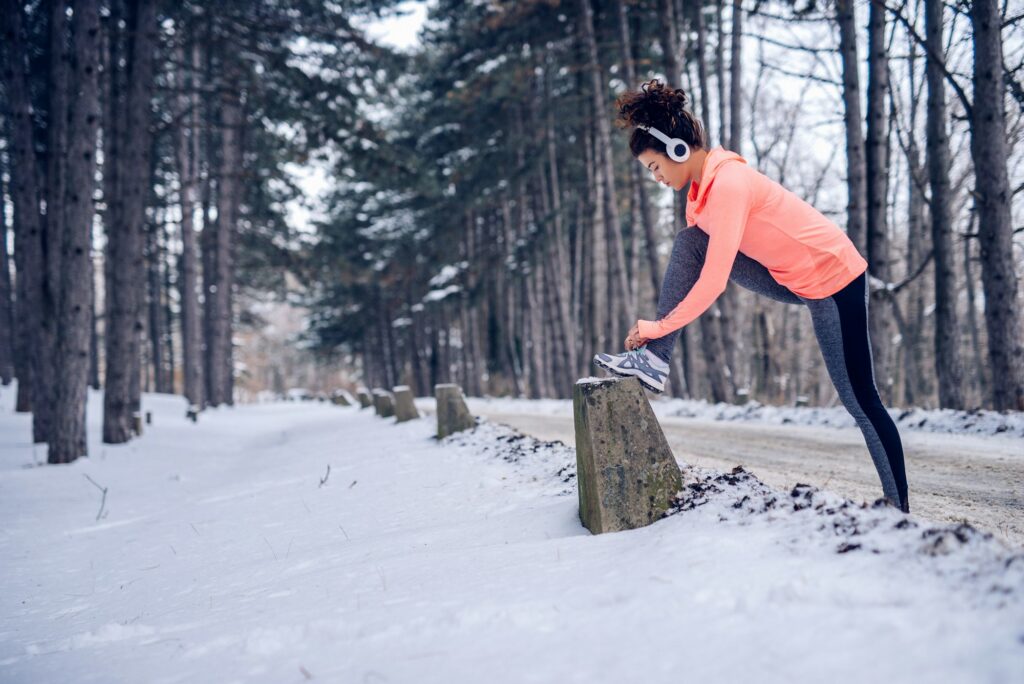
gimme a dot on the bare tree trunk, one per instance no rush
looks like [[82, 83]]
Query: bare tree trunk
[[71, 364], [719, 75], [948, 364], [989, 151], [856, 182], [736, 80], [124, 324], [980, 377], [156, 323], [187, 157], [877, 181], [913, 349], [595, 249], [702, 70], [44, 390], [556, 305], [670, 46], [723, 310], [619, 293], [558, 246], [94, 343], [6, 299], [112, 90], [164, 238], [228, 198], [24, 174], [509, 296], [644, 209]]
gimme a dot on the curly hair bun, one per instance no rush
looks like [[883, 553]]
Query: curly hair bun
[[650, 105], [656, 104]]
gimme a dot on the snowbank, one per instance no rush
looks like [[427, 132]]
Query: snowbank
[[227, 551], [1008, 424]]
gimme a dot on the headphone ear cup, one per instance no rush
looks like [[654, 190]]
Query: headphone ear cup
[[678, 150]]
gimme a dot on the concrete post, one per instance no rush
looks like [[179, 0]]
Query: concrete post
[[405, 408], [452, 413], [625, 470], [383, 403], [364, 399]]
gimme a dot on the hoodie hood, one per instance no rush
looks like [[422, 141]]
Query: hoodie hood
[[697, 197]]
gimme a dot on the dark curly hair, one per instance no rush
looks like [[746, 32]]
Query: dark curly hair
[[662, 107]]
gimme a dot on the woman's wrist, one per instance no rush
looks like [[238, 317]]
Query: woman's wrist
[[649, 330]]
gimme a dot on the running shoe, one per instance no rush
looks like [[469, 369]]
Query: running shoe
[[639, 363]]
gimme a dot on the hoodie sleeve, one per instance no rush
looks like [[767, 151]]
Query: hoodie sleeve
[[729, 201]]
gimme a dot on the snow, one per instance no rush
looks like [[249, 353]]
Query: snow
[[438, 295], [1007, 425], [220, 556]]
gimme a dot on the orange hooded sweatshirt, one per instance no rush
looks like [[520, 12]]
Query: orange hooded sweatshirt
[[743, 210]]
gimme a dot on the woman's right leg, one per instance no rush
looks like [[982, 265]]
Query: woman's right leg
[[684, 266], [841, 326]]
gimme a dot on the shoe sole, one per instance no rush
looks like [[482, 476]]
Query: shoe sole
[[621, 374]]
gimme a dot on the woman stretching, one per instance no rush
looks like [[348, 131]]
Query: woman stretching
[[746, 227]]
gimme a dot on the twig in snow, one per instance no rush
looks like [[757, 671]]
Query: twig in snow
[[305, 672], [271, 548], [353, 484], [103, 501], [343, 532], [323, 480]]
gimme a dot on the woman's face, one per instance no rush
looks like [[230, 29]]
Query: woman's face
[[673, 174]]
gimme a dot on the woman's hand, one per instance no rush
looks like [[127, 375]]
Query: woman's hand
[[633, 339]]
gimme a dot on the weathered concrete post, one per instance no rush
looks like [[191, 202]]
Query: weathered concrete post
[[364, 399], [452, 413], [405, 409], [383, 403], [625, 470]]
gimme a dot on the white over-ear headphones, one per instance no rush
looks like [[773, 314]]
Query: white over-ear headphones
[[676, 148]]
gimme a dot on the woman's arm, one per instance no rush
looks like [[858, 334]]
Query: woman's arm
[[729, 203]]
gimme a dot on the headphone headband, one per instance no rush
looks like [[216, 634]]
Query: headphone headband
[[676, 148]]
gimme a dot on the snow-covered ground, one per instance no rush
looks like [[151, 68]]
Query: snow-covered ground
[[1008, 424], [226, 552]]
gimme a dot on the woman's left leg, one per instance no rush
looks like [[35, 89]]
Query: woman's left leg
[[841, 326]]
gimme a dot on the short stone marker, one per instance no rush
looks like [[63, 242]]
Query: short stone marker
[[364, 399], [383, 403], [338, 398], [625, 470], [452, 413], [405, 409]]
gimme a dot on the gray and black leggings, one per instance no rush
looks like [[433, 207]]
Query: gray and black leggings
[[841, 326]]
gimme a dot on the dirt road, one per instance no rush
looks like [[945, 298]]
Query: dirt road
[[951, 477]]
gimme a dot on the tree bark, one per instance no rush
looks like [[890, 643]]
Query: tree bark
[[720, 74], [989, 151], [155, 290], [71, 364], [736, 80], [980, 380], [6, 299], [124, 323], [856, 182], [877, 181], [948, 363], [24, 189], [45, 380], [229, 190], [619, 292]]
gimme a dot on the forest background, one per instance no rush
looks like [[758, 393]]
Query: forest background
[[227, 200]]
